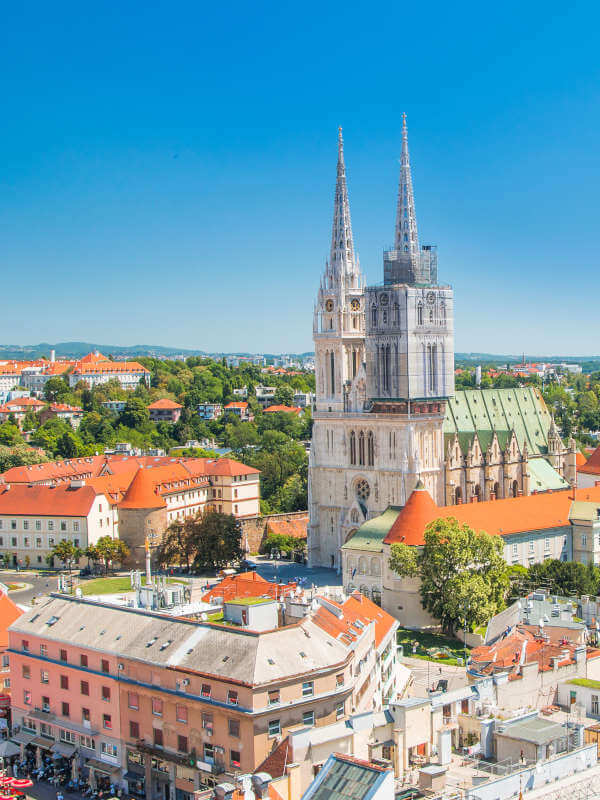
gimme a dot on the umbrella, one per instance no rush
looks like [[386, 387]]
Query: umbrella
[[21, 783]]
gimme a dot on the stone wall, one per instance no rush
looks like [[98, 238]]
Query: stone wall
[[137, 523], [254, 529]]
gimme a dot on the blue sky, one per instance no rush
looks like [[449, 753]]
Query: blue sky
[[169, 168]]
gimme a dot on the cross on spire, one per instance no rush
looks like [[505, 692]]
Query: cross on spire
[[407, 236], [342, 246]]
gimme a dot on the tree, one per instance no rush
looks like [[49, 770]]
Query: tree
[[9, 433], [284, 396], [464, 578], [565, 577], [18, 456], [217, 540], [56, 390], [177, 545], [66, 552], [92, 553], [111, 551], [135, 414]]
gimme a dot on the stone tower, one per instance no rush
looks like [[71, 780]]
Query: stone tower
[[338, 327]]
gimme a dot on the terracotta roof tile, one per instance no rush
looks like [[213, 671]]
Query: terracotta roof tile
[[9, 612], [165, 403], [64, 501]]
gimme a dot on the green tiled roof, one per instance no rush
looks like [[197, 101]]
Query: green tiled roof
[[371, 534], [544, 476], [484, 411], [347, 781]]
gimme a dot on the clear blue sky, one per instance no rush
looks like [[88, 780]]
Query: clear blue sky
[[169, 168]]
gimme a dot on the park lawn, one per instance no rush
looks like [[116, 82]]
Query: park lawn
[[114, 585], [428, 640]]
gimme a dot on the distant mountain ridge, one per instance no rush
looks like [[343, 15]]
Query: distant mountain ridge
[[79, 349]]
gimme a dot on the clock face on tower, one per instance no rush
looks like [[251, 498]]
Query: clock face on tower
[[329, 305], [431, 298], [355, 304]]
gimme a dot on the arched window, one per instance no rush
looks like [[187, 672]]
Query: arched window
[[354, 516], [352, 447], [443, 313], [375, 566], [419, 314], [384, 317], [457, 495], [370, 449], [496, 490], [515, 489], [431, 315], [478, 492], [362, 566], [396, 314], [374, 316], [361, 448]]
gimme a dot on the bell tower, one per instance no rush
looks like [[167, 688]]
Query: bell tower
[[339, 318]]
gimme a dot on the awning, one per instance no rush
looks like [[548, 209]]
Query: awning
[[4, 701], [41, 741], [22, 737], [63, 749], [9, 749], [100, 766]]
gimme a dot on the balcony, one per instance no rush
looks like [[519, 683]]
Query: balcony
[[182, 759]]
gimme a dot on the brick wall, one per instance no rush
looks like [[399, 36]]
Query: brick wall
[[254, 529]]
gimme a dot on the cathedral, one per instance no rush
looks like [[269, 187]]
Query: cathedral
[[386, 413]]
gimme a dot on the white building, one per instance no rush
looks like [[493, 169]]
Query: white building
[[33, 519]]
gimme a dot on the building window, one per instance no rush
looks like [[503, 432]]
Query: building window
[[207, 722], [65, 709], [308, 689], [26, 672], [515, 549], [546, 543], [14, 541], [76, 527], [273, 697], [419, 314], [44, 650], [134, 729], [25, 525], [531, 547], [87, 741], [38, 524], [85, 688], [64, 682], [339, 679], [25, 645], [109, 749], [106, 694], [104, 665], [205, 692], [352, 447], [27, 697], [83, 660], [308, 718], [182, 744], [235, 759], [234, 728], [157, 707], [44, 676], [274, 727], [339, 711], [63, 655], [583, 539], [67, 736], [46, 704], [370, 449], [181, 714], [63, 525], [85, 714], [107, 722], [13, 524], [158, 737], [50, 525], [133, 700], [209, 753], [232, 697]]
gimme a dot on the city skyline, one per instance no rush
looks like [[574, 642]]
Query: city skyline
[[193, 182]]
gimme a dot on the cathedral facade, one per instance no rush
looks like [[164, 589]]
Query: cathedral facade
[[386, 412]]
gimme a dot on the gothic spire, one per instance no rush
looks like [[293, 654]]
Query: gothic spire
[[342, 247], [407, 236]]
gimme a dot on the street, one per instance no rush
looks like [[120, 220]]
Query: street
[[39, 585]]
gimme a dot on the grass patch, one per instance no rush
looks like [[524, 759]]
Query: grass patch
[[114, 585], [250, 601], [12, 587], [589, 684], [431, 646]]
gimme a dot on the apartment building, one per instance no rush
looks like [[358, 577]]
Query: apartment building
[[33, 519], [154, 700], [210, 410], [128, 373], [71, 414], [18, 407], [165, 410], [240, 409]]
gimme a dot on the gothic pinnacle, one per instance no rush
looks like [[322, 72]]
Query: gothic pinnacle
[[406, 237]]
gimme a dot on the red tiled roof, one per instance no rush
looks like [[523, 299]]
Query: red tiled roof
[[61, 407], [109, 366], [9, 612], [284, 409], [142, 491], [64, 501], [247, 584], [357, 608], [237, 404], [524, 645], [277, 760], [218, 466], [165, 403], [592, 465], [499, 517], [580, 460]]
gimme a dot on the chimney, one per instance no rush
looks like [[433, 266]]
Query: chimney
[[52, 356]]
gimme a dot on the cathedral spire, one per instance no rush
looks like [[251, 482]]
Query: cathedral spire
[[407, 236], [342, 247]]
